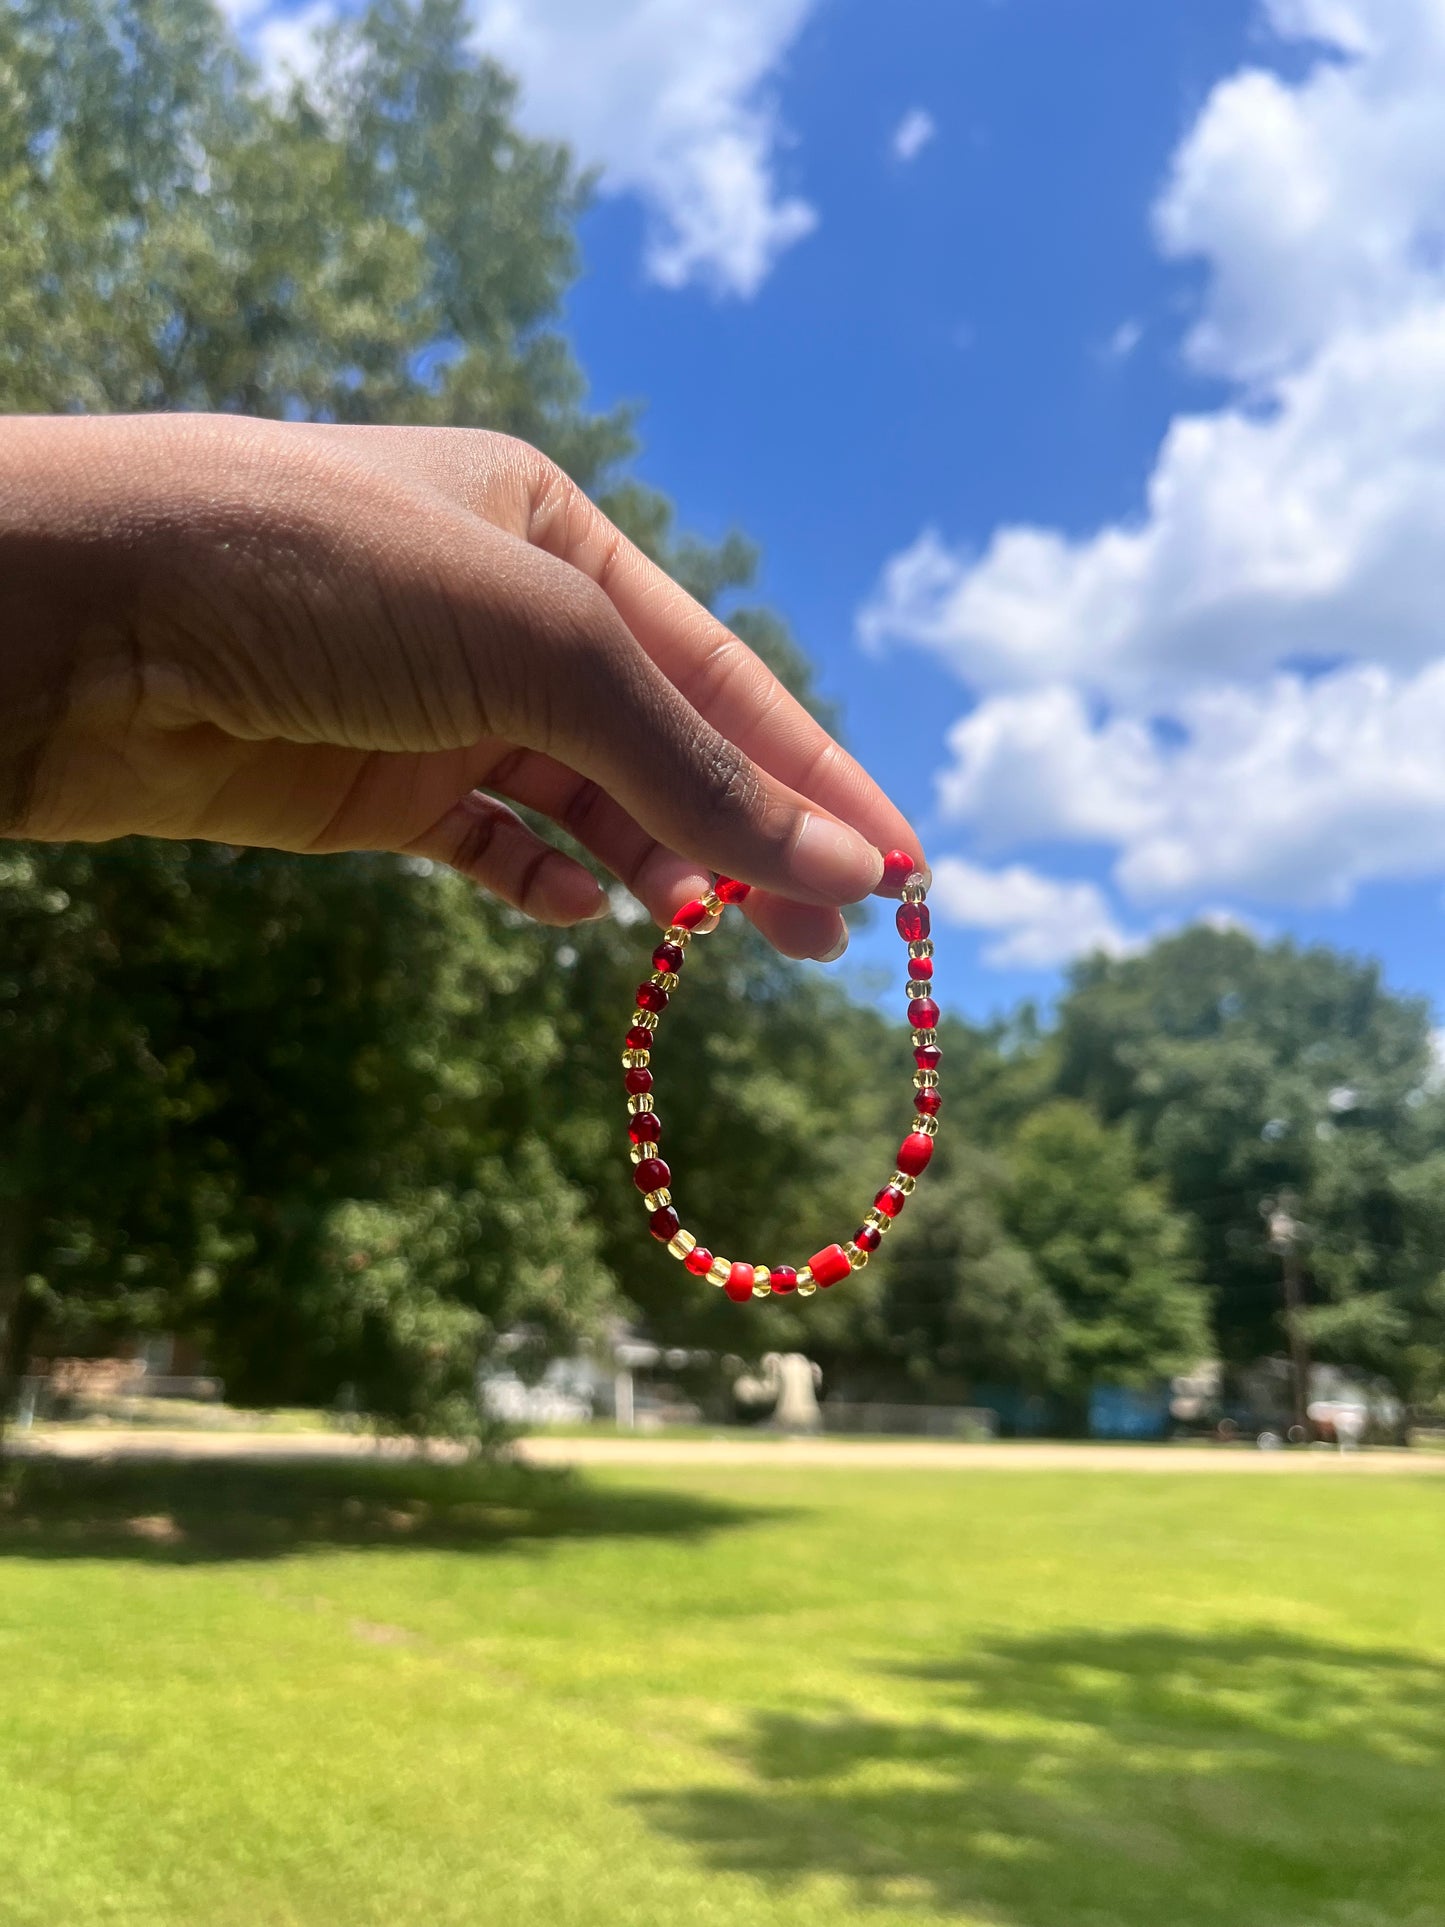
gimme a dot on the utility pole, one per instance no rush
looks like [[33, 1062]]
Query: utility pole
[[1285, 1231]]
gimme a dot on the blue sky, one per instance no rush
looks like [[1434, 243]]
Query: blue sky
[[1081, 371]]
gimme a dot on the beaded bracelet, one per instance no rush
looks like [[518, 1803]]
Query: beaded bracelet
[[652, 1177]]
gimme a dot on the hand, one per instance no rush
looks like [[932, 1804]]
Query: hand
[[330, 638]]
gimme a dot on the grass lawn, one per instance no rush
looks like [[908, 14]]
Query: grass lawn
[[412, 1696]]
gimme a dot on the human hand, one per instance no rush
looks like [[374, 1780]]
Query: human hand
[[320, 638]]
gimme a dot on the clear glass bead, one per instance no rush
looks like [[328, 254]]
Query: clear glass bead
[[644, 1020], [655, 1200], [921, 947], [636, 1060], [642, 1101], [718, 1270], [901, 1181], [682, 1244], [925, 1080], [762, 1282], [664, 979]]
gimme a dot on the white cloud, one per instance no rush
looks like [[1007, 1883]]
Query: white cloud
[[1318, 205], [1294, 792], [913, 133], [1038, 922], [1314, 528], [670, 99], [1124, 340], [1141, 687]]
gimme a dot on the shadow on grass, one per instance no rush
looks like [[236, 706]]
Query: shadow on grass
[[182, 1512], [1110, 1780]]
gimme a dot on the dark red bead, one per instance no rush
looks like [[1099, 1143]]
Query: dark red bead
[[698, 1261], [913, 1154], [867, 1237], [890, 1201], [739, 1282], [640, 1039], [829, 1265], [730, 890], [785, 1278], [664, 1223], [651, 996], [638, 1080], [668, 956], [913, 922], [920, 968], [651, 1175], [692, 914], [923, 1013], [929, 1102], [927, 1057], [645, 1128], [898, 867]]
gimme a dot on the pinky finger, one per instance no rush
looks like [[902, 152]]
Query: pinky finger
[[490, 845]]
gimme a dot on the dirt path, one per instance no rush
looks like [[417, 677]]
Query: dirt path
[[790, 1454]]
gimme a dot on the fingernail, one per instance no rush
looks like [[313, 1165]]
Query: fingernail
[[832, 956], [835, 862]]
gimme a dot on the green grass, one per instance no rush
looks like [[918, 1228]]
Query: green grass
[[413, 1696]]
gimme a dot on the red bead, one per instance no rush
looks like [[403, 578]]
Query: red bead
[[867, 1237], [640, 1039], [638, 1080], [829, 1265], [664, 1223], [651, 997], [913, 1154], [927, 1057], [668, 956], [929, 1102], [698, 1261], [913, 922], [692, 914], [890, 1201], [923, 1013], [898, 866], [730, 890], [651, 1175], [920, 968], [645, 1128], [785, 1278], [739, 1282]]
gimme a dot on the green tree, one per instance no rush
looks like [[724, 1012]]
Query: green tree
[[1244, 1069], [1109, 1249]]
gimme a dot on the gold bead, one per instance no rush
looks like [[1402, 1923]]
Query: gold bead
[[633, 1060], [879, 1220], [642, 1102], [925, 1080], [644, 1020], [676, 934], [915, 889], [927, 1126], [713, 904], [918, 988], [664, 979], [682, 1244], [647, 1149], [806, 1284], [762, 1281], [923, 947], [855, 1254], [717, 1271], [918, 1037], [655, 1200], [902, 1182]]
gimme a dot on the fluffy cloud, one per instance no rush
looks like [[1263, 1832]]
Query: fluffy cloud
[[1241, 688], [1292, 793], [669, 99], [1036, 922], [913, 133]]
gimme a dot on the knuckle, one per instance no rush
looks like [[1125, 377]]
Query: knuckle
[[731, 789]]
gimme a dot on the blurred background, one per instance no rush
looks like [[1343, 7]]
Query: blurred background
[[1055, 397]]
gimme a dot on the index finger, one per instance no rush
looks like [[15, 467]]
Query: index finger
[[714, 669]]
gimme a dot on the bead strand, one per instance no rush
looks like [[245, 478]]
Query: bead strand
[[738, 1278]]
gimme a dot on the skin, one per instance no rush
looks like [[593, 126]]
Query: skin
[[320, 638]]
